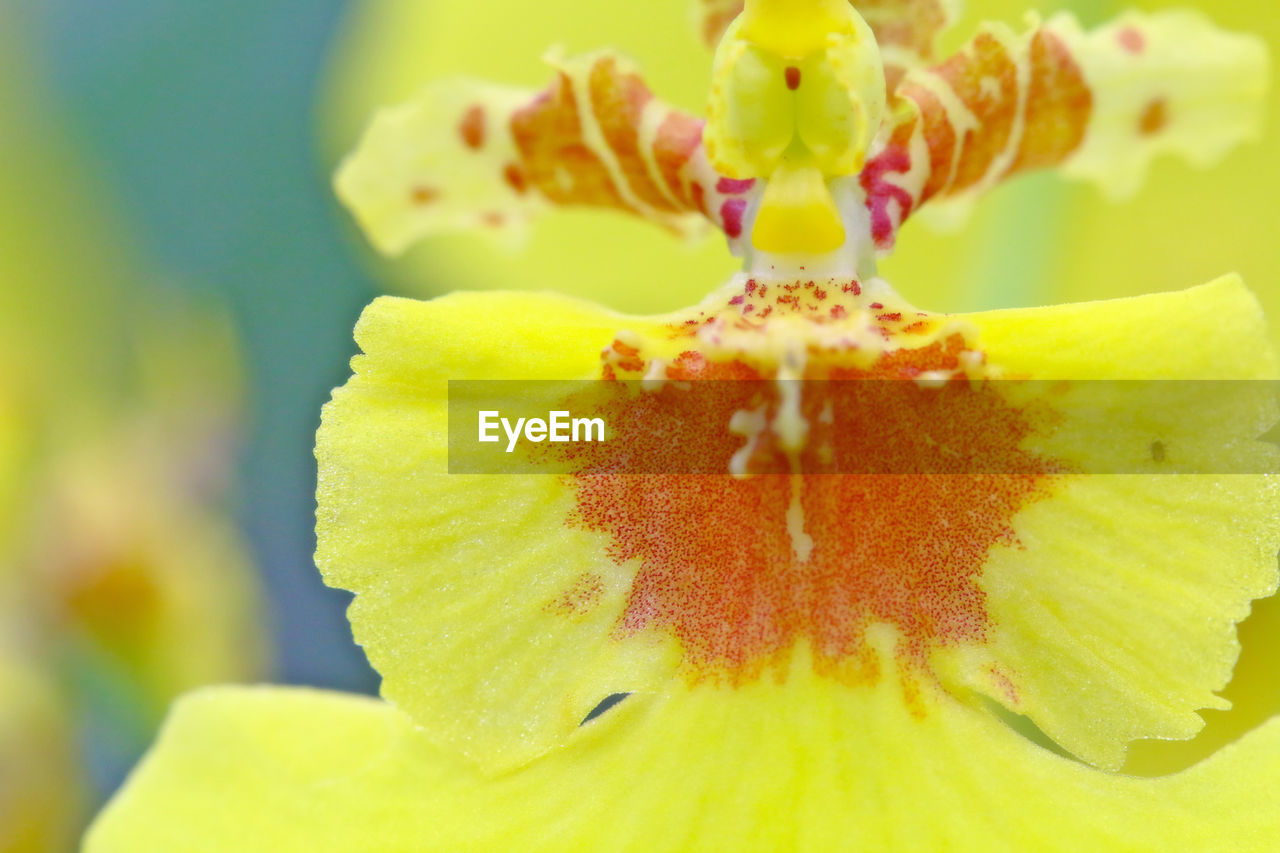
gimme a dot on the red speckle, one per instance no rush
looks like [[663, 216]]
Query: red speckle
[[819, 294], [687, 365], [751, 286], [889, 318], [728, 186], [472, 128], [837, 312], [793, 77], [717, 567], [737, 300], [581, 597], [876, 306], [1004, 684], [1131, 39], [1154, 118], [515, 178], [421, 194], [731, 214], [851, 287]]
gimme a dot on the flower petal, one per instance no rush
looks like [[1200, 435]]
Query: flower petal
[[467, 155], [802, 765], [388, 49], [465, 584], [493, 620], [1115, 611], [1100, 104]]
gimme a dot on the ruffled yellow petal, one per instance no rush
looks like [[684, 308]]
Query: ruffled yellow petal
[[488, 617], [1115, 610], [493, 617], [805, 765], [1215, 331], [1254, 694], [1100, 104]]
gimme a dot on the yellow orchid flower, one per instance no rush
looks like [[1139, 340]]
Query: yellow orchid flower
[[809, 660], [1018, 248]]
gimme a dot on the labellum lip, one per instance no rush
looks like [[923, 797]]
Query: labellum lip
[[741, 569]]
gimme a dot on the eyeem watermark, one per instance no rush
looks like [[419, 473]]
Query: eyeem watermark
[[863, 426], [559, 426]]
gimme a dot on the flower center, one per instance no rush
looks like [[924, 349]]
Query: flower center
[[798, 93]]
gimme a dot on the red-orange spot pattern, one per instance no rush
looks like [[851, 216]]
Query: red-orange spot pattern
[[717, 567]]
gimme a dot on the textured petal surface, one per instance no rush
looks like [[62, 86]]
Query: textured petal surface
[[801, 765], [461, 581], [1115, 609]]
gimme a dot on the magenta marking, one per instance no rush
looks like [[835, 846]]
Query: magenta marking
[[731, 213], [728, 186]]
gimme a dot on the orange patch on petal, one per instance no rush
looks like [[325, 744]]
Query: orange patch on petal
[[679, 137], [548, 132], [723, 565], [618, 100], [472, 128], [1155, 117], [1059, 105], [985, 80], [421, 195]]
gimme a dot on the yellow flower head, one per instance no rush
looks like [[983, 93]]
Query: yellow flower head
[[811, 639]]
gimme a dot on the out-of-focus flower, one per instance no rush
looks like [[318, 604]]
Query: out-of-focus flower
[[804, 654], [123, 580], [40, 786]]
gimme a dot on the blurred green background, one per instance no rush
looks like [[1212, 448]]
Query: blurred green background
[[198, 119], [178, 289]]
